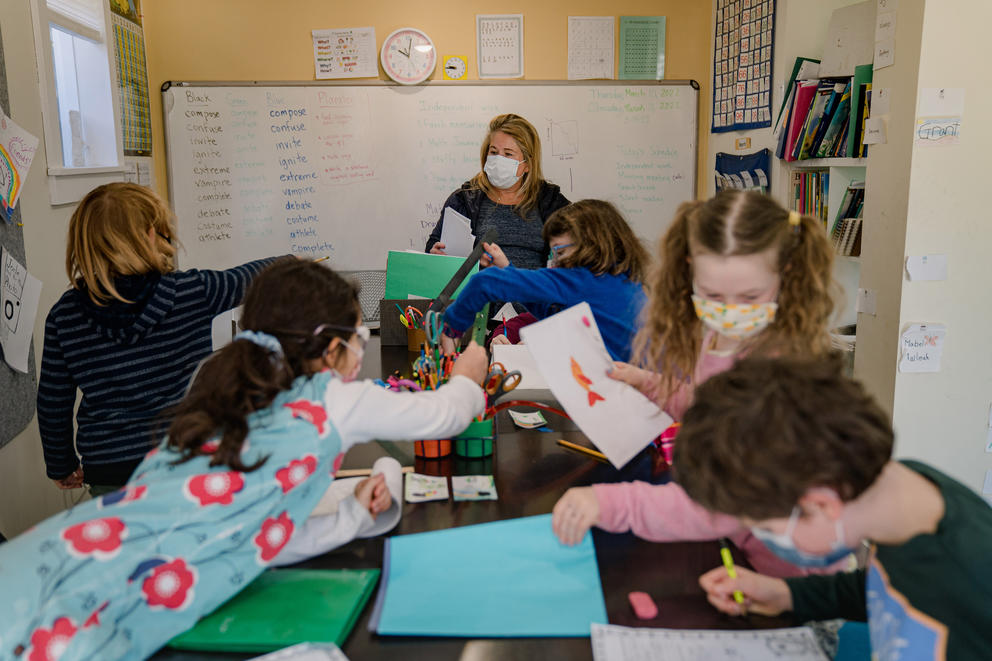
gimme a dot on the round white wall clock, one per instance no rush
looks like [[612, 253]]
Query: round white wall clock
[[408, 56]]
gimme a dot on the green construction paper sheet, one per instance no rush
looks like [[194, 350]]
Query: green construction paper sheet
[[421, 274], [283, 607], [642, 47], [505, 578]]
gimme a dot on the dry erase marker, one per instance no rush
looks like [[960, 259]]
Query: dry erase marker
[[728, 562]]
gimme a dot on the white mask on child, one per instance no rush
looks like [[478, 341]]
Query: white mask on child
[[353, 374], [502, 171], [732, 320]]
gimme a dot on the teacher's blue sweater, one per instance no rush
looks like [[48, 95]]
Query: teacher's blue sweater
[[616, 300]]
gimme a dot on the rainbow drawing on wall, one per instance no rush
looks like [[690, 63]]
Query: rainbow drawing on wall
[[586, 383], [10, 182]]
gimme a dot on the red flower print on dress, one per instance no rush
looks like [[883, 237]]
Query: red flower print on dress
[[170, 585], [100, 538], [337, 464], [50, 644], [274, 535], [312, 413], [211, 488], [296, 472], [210, 446]]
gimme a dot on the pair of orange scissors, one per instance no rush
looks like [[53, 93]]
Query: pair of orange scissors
[[499, 381]]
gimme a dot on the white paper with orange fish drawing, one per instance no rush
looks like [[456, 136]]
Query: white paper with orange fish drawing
[[570, 354]]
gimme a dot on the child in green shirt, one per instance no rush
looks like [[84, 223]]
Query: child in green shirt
[[802, 455]]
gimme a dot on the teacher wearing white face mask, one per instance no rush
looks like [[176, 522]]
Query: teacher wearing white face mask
[[509, 195]]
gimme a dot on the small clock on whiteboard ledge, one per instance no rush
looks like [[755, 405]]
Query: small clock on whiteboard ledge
[[408, 56]]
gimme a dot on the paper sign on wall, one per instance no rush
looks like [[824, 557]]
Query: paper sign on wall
[[345, 53], [19, 294], [927, 267], [938, 116], [921, 347]]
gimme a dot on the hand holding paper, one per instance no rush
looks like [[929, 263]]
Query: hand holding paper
[[569, 351]]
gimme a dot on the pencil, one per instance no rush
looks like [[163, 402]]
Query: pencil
[[321, 259], [598, 456]]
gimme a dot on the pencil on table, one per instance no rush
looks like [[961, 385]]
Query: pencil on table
[[598, 456]]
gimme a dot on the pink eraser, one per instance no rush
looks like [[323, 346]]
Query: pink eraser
[[643, 605]]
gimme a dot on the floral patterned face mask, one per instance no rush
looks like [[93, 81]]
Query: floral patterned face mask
[[733, 320]]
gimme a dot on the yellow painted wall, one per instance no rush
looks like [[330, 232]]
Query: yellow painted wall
[[266, 40]]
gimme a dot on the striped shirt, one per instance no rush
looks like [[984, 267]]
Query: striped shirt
[[130, 360]]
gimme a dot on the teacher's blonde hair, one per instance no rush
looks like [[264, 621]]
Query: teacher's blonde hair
[[526, 136], [118, 229]]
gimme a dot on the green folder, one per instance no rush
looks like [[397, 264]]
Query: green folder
[[283, 607], [421, 274]]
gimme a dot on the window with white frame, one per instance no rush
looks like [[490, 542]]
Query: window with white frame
[[82, 139]]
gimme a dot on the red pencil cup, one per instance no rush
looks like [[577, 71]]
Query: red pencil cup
[[432, 449]]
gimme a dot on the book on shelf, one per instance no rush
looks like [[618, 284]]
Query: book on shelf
[[846, 238], [809, 193], [862, 77], [832, 135], [850, 205], [805, 91], [824, 118], [803, 69]]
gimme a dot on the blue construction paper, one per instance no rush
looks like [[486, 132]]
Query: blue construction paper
[[506, 578]]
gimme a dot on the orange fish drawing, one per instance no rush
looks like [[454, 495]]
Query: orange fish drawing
[[586, 383]]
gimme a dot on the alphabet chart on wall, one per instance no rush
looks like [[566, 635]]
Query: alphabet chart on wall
[[742, 64], [500, 39]]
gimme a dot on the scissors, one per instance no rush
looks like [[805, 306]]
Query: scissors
[[433, 325], [499, 381]]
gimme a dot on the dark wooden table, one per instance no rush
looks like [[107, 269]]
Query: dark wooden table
[[531, 473]]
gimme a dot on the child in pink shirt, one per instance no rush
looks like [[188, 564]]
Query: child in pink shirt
[[739, 275]]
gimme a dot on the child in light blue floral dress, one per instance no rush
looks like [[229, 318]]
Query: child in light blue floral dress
[[249, 453]]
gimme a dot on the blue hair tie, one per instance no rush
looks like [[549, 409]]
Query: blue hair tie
[[263, 340]]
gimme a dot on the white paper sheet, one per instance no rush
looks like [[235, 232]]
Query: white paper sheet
[[456, 234], [505, 313], [341, 489], [500, 40], [345, 53], [473, 487], [518, 357], [591, 47], [615, 643], [875, 133], [570, 353], [19, 294], [921, 346], [927, 267], [885, 54]]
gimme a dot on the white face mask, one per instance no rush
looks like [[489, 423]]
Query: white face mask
[[734, 321], [502, 171], [353, 374]]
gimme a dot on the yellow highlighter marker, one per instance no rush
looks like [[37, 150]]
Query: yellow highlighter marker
[[728, 562]]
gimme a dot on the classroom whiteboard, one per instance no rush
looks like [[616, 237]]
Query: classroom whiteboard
[[350, 171]]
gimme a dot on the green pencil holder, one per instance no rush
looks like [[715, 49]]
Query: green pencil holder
[[476, 440]]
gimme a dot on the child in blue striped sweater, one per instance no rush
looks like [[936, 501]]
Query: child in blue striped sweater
[[128, 334]]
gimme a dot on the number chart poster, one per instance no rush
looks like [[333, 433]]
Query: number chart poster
[[742, 65]]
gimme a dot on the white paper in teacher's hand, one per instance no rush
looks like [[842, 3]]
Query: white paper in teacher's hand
[[570, 353], [456, 234]]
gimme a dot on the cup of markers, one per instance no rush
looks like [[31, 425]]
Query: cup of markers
[[432, 369]]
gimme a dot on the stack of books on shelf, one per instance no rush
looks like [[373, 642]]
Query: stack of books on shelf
[[824, 118], [846, 231], [809, 193]]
